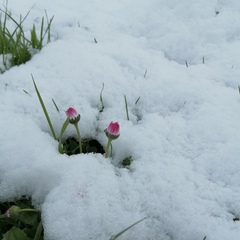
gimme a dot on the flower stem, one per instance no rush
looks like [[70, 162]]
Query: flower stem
[[79, 137], [28, 210], [107, 147]]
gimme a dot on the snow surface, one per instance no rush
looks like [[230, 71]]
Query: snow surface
[[183, 134]]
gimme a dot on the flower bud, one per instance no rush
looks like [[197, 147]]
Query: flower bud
[[113, 130], [73, 115], [13, 212]]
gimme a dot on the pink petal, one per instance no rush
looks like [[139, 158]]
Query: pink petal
[[71, 113], [113, 128]]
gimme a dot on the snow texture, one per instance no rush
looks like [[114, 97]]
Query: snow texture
[[183, 134]]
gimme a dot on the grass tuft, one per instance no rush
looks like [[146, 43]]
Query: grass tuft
[[15, 47]]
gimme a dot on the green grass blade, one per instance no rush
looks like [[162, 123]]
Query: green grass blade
[[55, 105], [44, 110], [48, 29], [34, 39], [38, 232], [101, 99], [64, 127], [26, 92], [126, 106], [41, 35], [114, 237], [145, 74], [137, 100]]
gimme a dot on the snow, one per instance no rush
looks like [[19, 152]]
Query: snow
[[183, 134]]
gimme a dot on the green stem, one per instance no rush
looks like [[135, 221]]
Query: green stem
[[79, 137], [107, 148], [28, 210]]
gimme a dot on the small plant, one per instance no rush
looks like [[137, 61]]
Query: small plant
[[73, 117], [89, 145], [20, 221], [15, 47], [127, 161], [112, 132], [71, 145]]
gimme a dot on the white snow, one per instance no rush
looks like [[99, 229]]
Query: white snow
[[183, 134]]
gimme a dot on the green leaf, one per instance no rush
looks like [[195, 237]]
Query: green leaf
[[29, 217], [127, 161], [44, 109], [15, 234], [65, 124], [24, 203], [38, 232]]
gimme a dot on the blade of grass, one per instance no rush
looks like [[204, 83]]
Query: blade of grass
[[137, 100], [126, 106], [34, 39], [64, 127], [55, 105], [41, 35], [124, 230], [48, 30], [26, 92], [101, 99], [38, 232], [44, 110], [145, 74]]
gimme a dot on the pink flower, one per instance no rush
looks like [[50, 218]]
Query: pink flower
[[113, 128], [112, 132], [73, 115]]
